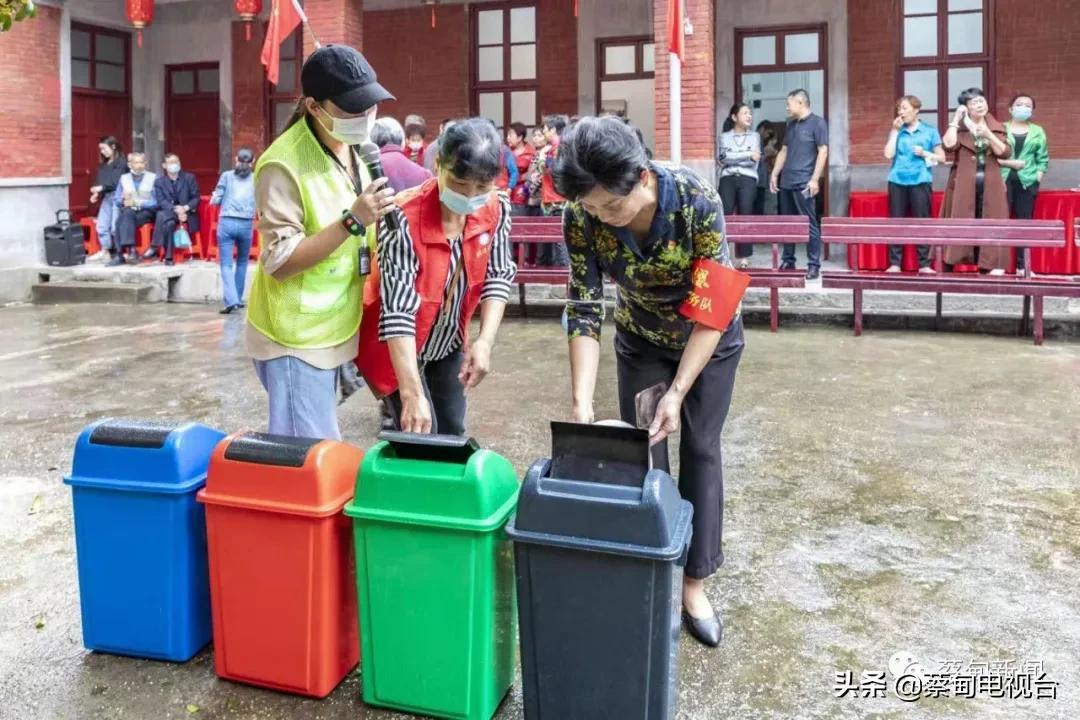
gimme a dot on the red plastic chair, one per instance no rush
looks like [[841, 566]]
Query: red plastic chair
[[90, 235]]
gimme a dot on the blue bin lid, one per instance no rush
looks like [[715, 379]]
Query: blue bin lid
[[598, 494], [143, 456]]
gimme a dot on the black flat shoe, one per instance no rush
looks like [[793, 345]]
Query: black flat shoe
[[813, 273], [709, 631], [228, 310], [787, 266]]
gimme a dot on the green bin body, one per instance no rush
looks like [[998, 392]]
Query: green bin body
[[435, 575]]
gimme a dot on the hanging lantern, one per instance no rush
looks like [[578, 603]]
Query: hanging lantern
[[248, 10], [575, 8], [140, 13], [433, 4]]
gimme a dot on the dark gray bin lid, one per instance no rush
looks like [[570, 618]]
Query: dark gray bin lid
[[598, 494]]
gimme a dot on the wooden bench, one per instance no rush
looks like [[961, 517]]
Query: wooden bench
[[940, 233], [773, 230]]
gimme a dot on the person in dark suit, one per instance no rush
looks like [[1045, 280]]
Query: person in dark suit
[[177, 195], [400, 171]]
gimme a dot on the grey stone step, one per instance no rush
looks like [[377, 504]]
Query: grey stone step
[[73, 291]]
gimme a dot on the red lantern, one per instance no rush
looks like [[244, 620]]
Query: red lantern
[[140, 13], [248, 10]]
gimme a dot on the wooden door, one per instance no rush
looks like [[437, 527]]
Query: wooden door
[[100, 104], [192, 129]]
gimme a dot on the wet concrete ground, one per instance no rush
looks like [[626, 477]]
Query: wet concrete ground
[[898, 492]]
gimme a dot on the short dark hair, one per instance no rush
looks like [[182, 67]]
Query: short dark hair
[[604, 152], [519, 129], [1017, 96], [970, 94], [801, 94], [557, 123], [471, 150], [170, 155]]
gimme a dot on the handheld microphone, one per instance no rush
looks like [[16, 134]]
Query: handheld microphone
[[369, 154]]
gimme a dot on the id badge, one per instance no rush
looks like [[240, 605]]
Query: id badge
[[364, 261]]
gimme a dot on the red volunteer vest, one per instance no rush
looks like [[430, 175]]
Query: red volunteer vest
[[422, 209]]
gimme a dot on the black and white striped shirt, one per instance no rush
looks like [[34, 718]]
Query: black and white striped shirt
[[400, 266]]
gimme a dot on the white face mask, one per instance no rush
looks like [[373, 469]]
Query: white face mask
[[351, 131], [173, 168]]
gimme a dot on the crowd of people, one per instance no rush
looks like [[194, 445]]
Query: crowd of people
[[132, 197], [995, 172]]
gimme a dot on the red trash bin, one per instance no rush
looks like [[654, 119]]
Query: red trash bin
[[282, 575]]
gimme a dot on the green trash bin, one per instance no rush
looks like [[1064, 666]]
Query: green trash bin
[[435, 575]]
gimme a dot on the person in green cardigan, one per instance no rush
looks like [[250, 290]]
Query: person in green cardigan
[[1030, 160]]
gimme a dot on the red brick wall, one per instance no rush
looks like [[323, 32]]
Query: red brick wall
[[1032, 55], [426, 69], [557, 57], [698, 83], [873, 49], [249, 88], [30, 130], [334, 21], [1037, 46]]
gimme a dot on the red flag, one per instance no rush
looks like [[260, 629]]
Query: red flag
[[284, 18], [676, 44]]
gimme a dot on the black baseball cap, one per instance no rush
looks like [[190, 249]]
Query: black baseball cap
[[342, 75]]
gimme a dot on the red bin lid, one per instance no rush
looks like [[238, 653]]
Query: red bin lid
[[276, 473]]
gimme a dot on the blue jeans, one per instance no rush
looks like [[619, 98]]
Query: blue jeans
[[233, 232], [106, 223], [303, 398]]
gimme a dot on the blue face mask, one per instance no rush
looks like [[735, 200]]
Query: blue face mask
[[1022, 113], [455, 202]]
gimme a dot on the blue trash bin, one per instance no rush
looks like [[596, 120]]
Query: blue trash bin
[[140, 537]]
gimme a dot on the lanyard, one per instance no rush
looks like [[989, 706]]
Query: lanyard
[[354, 177]]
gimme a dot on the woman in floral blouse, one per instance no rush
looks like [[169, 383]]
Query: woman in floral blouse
[[659, 234]]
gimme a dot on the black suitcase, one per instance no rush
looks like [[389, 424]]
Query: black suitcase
[[64, 241]]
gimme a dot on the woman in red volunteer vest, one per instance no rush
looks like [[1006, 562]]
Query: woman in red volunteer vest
[[449, 255], [524, 152], [658, 233]]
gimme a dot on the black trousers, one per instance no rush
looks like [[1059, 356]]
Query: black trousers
[[910, 201], [1021, 206], [792, 202], [738, 193], [641, 365], [165, 225], [127, 223], [444, 392]]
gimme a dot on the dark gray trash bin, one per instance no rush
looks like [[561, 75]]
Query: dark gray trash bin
[[600, 541]]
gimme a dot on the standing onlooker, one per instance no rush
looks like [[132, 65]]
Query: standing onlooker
[[110, 169], [431, 152], [738, 158], [914, 147], [551, 202], [177, 195], [136, 206], [235, 193], [415, 131], [797, 175], [534, 178], [402, 172], [524, 152], [1029, 162], [507, 178], [765, 202], [976, 189]]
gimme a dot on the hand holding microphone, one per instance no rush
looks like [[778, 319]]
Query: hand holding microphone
[[377, 200]]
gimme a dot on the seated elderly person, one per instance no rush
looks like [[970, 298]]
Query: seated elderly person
[[402, 172]]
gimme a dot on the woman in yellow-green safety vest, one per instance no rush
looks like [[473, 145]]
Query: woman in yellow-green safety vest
[[318, 208]]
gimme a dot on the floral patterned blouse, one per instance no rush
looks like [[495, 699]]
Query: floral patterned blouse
[[654, 279]]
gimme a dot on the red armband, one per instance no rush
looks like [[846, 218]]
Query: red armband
[[716, 294]]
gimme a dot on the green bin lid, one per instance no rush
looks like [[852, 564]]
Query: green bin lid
[[434, 481]]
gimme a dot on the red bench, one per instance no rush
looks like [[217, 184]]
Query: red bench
[[940, 233], [772, 230]]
